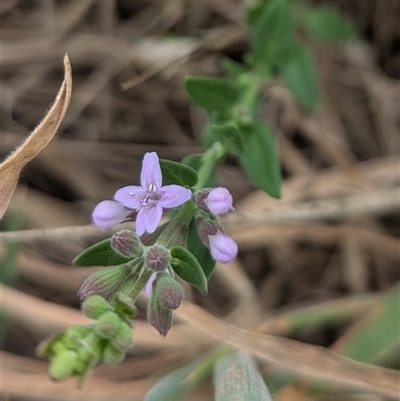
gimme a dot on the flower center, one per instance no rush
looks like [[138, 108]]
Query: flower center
[[151, 197]]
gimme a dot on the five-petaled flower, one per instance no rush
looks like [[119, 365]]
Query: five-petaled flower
[[148, 200]]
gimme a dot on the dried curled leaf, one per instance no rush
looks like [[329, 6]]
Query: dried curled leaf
[[11, 168]]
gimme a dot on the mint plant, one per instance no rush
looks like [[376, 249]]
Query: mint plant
[[189, 244], [147, 259]]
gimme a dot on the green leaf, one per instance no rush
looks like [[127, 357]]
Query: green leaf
[[377, 331], [200, 251], [100, 254], [232, 68], [230, 135], [211, 93], [188, 268], [177, 173], [237, 375], [327, 25], [173, 386], [272, 32], [195, 162], [260, 159], [300, 76]]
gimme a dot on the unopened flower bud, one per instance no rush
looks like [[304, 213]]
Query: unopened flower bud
[[223, 248], [169, 291], [125, 306], [158, 315], [127, 243], [123, 339], [157, 258], [219, 201], [63, 364], [108, 325], [109, 213], [112, 356], [94, 306], [199, 198], [104, 282], [206, 228]]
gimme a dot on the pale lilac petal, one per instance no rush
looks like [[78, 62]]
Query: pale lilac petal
[[219, 201], [149, 286], [140, 222], [223, 248], [130, 196], [173, 196], [109, 213], [151, 171], [148, 219]]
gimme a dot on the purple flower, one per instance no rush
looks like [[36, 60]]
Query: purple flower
[[151, 197], [148, 200], [219, 201], [223, 248]]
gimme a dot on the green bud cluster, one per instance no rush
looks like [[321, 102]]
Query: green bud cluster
[[75, 351]]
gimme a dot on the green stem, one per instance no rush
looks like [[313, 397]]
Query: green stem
[[182, 218], [251, 86], [140, 283], [210, 157]]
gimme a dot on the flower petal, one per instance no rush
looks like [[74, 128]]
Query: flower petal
[[149, 286], [147, 219], [173, 196], [109, 213], [223, 248], [130, 196], [151, 171]]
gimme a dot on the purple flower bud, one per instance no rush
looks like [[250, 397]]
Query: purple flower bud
[[206, 228], [169, 291], [158, 315], [109, 213], [104, 282], [157, 258], [219, 201], [223, 248], [127, 243], [199, 198]]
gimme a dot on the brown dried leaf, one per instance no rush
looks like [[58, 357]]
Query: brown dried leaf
[[11, 168], [308, 360]]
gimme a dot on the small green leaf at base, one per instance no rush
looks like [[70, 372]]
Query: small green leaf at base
[[260, 159], [100, 254], [178, 173], [188, 268]]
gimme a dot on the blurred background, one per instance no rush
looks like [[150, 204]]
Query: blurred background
[[332, 241]]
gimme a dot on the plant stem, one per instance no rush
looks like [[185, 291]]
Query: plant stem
[[210, 157], [140, 283], [251, 87]]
